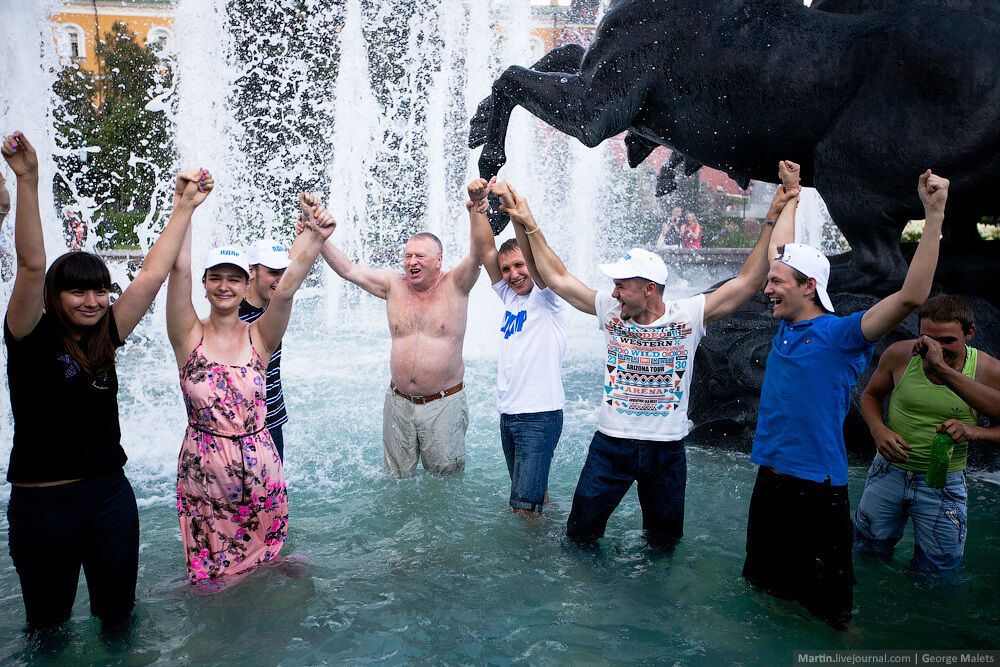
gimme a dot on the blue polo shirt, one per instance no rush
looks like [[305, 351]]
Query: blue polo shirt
[[811, 369]]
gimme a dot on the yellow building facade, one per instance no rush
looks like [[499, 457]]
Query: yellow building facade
[[79, 26]]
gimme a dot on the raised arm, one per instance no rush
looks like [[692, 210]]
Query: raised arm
[[889, 444], [480, 241], [191, 187], [735, 292], [784, 225], [270, 326], [482, 234], [524, 244], [373, 281], [886, 315], [183, 326], [549, 267], [983, 393], [25, 308]]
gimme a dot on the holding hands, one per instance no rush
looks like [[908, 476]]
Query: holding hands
[[314, 216], [192, 186], [782, 196], [514, 205], [789, 172], [20, 155], [478, 191]]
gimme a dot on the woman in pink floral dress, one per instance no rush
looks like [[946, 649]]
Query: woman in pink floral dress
[[231, 497]]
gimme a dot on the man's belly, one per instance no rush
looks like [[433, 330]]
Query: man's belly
[[422, 365]]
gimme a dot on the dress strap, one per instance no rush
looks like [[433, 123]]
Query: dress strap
[[191, 354]]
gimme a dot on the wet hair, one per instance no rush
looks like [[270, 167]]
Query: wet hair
[[95, 351], [431, 237], [947, 308], [508, 246]]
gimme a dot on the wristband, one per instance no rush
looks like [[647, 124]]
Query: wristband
[[531, 232], [769, 222]]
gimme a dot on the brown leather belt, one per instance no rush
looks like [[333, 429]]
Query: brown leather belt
[[420, 400]]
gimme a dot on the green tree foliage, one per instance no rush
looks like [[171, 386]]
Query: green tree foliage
[[113, 150]]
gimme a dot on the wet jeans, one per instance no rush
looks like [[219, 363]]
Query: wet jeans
[[939, 516], [529, 440], [55, 529], [612, 465]]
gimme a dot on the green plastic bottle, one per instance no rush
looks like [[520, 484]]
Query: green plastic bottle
[[942, 447]]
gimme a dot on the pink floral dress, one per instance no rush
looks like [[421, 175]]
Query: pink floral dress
[[231, 497]]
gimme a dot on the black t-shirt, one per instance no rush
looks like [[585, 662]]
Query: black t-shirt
[[65, 421]]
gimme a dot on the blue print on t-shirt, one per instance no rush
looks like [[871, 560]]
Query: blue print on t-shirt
[[513, 323]]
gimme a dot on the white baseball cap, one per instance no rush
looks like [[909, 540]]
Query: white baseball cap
[[270, 253], [813, 264], [227, 254], [637, 263]]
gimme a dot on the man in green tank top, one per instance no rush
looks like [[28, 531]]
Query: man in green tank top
[[921, 404]]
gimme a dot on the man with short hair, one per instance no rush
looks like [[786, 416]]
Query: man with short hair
[[799, 530], [919, 406], [651, 343], [425, 414], [530, 394], [268, 260]]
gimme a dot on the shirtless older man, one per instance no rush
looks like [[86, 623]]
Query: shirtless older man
[[425, 414]]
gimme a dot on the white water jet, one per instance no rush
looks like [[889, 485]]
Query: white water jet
[[27, 60], [811, 218], [205, 127]]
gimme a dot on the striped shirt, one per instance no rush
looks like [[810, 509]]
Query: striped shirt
[[276, 413]]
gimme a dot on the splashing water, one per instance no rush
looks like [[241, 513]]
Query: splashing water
[[367, 103]]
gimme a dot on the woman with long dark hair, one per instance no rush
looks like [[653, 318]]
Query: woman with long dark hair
[[231, 498], [71, 505]]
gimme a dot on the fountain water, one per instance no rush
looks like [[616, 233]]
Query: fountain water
[[367, 102]]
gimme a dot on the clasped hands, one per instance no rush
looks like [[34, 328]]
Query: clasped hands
[[314, 216], [511, 203]]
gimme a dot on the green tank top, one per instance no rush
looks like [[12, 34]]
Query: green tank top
[[917, 406]]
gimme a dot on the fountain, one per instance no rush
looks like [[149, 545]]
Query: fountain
[[366, 102]]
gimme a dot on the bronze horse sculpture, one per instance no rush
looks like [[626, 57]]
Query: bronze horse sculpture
[[864, 101]]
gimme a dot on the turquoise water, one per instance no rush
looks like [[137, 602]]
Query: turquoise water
[[439, 570]]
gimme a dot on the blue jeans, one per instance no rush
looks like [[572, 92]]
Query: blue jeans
[[939, 516], [528, 440], [612, 465]]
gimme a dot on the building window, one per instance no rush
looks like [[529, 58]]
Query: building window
[[161, 38], [70, 41]]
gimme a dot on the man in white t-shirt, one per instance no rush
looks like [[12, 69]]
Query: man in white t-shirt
[[529, 371], [651, 344]]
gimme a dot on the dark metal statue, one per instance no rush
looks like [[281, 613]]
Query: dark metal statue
[[864, 102], [864, 94]]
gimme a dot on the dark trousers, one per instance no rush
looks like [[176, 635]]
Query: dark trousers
[[612, 465], [799, 544], [279, 441], [56, 529]]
